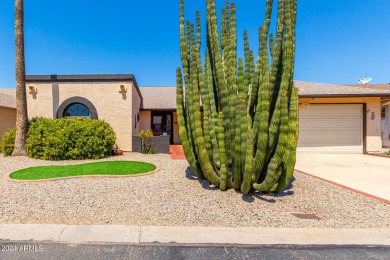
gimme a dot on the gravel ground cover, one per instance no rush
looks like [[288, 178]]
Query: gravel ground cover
[[174, 197]]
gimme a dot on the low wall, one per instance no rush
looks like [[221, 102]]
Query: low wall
[[160, 143]]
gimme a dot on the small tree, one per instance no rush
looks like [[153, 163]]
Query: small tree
[[146, 147]]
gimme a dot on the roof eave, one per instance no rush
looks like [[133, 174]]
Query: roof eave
[[8, 107], [342, 95], [81, 78], [158, 109]]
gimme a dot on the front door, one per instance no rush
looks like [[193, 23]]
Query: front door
[[162, 124]]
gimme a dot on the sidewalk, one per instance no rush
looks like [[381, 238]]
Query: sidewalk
[[89, 234]]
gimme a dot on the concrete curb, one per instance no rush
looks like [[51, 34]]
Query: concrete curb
[[90, 234]]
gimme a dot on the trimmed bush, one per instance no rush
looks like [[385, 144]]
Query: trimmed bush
[[8, 142], [69, 139]]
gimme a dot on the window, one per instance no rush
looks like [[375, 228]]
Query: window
[[383, 112], [77, 110]]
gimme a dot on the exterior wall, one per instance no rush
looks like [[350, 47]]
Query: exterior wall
[[112, 106], [146, 120], [176, 135], [160, 143], [386, 127], [136, 128], [373, 117], [7, 119]]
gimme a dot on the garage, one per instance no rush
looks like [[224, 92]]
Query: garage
[[330, 128]]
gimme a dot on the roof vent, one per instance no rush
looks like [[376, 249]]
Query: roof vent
[[364, 80]]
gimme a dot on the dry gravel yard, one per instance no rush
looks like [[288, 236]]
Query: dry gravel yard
[[173, 197]]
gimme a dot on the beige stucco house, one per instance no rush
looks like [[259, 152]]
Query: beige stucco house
[[7, 109], [333, 118], [115, 99], [340, 118]]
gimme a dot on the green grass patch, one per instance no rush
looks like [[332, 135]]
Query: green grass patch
[[98, 168]]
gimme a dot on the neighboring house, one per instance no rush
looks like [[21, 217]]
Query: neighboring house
[[333, 118], [385, 112], [7, 110], [340, 118]]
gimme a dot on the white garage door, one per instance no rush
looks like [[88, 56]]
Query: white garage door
[[330, 129]]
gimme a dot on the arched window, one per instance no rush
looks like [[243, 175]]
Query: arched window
[[77, 110], [77, 107]]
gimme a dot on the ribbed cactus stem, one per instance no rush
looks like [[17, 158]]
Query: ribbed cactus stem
[[248, 170], [223, 171], [182, 127], [289, 158], [237, 148], [247, 68]]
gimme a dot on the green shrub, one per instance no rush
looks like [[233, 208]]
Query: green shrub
[[7, 142], [145, 135], [69, 139], [388, 152]]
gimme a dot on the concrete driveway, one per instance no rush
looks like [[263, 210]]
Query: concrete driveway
[[365, 173]]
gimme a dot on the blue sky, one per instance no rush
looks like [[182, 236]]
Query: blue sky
[[338, 41]]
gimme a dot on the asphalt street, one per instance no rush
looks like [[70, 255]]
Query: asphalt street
[[34, 251]]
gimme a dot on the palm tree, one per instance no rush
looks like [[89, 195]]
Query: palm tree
[[21, 101]]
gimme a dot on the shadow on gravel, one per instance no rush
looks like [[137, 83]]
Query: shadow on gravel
[[249, 198], [190, 174], [265, 196], [204, 183]]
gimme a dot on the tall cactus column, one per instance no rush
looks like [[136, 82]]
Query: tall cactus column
[[238, 119]]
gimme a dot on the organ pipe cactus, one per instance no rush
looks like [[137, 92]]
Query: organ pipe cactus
[[238, 118]]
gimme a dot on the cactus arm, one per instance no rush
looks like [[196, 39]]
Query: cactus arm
[[248, 171], [290, 156], [223, 171], [182, 128], [203, 158], [247, 68]]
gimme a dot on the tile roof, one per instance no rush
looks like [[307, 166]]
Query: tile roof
[[372, 86], [158, 97], [8, 91], [8, 101], [311, 89]]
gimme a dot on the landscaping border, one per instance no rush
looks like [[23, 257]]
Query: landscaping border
[[380, 155], [345, 187]]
